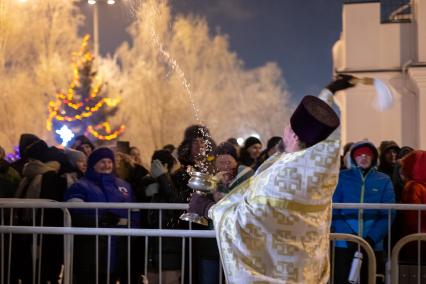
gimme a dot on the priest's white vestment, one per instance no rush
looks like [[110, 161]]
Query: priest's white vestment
[[274, 228]]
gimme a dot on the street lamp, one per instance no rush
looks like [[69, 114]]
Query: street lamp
[[96, 22]]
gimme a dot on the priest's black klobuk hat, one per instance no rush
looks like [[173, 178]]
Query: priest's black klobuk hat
[[313, 120]]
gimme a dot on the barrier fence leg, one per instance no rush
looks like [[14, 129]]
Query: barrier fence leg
[[160, 256], [2, 248], [9, 256], [109, 260], [190, 256], [182, 280], [146, 257]]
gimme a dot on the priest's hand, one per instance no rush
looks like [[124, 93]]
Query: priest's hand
[[342, 81], [200, 205]]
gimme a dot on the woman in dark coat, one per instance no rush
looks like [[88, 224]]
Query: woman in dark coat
[[250, 153], [195, 151], [100, 184]]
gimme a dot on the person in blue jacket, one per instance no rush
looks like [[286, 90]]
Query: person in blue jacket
[[99, 184], [361, 183]]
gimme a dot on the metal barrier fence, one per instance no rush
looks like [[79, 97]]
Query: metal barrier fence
[[395, 255], [365, 246], [37, 241], [187, 235]]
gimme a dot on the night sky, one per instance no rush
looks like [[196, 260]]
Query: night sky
[[298, 35]]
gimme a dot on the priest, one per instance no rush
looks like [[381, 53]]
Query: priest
[[274, 228]]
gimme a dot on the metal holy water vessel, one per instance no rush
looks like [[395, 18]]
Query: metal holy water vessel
[[201, 183]]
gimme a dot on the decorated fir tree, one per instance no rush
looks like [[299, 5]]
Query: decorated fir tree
[[85, 107]]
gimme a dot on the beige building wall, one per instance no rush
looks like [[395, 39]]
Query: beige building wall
[[420, 15], [394, 53]]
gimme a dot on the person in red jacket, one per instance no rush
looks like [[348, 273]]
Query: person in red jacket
[[413, 170]]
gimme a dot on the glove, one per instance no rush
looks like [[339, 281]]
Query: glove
[[157, 168], [152, 189], [341, 82], [370, 241], [200, 205]]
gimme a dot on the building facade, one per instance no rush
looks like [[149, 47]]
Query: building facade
[[386, 43]]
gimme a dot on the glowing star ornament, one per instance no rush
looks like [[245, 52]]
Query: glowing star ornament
[[66, 135]]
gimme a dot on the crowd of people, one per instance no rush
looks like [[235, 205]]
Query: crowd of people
[[389, 174], [86, 173]]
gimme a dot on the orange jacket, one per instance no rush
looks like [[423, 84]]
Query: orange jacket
[[413, 168]]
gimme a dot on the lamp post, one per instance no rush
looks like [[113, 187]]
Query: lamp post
[[95, 3]]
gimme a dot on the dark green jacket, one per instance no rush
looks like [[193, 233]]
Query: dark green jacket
[[9, 180]]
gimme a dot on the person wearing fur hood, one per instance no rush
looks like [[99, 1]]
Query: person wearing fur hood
[[41, 180]]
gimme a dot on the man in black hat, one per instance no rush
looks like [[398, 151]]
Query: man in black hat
[[275, 227]]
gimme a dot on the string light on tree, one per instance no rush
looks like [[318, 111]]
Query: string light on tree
[[84, 108], [14, 156], [110, 135]]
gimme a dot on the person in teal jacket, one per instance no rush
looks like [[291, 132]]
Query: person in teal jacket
[[362, 183]]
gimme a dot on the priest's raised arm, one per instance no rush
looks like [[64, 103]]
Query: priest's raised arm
[[274, 228]]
